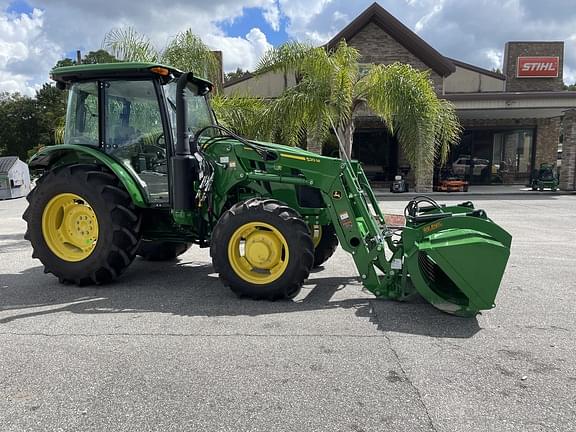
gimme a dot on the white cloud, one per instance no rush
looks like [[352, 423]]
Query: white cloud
[[302, 14], [474, 32], [471, 31], [436, 9], [25, 52], [31, 44], [239, 52], [272, 16], [496, 58]]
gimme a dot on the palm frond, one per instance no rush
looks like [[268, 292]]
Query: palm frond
[[187, 52], [59, 130], [287, 56], [126, 44], [245, 115], [405, 99], [448, 130], [324, 89]]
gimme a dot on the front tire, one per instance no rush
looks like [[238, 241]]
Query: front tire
[[82, 224], [325, 244], [262, 249]]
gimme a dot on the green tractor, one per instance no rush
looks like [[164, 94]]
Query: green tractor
[[146, 170]]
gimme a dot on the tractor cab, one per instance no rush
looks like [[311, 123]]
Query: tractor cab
[[131, 114]]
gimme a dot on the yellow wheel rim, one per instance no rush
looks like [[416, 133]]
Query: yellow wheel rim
[[70, 227], [258, 253], [316, 234]]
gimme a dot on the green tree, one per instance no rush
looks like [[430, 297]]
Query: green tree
[[100, 56], [19, 124], [93, 57], [239, 73], [65, 62], [51, 109], [331, 87]]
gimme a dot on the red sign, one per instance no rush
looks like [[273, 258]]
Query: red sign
[[538, 67]]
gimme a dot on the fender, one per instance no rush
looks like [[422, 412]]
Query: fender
[[65, 154]]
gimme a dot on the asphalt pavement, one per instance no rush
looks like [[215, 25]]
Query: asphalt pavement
[[168, 348]]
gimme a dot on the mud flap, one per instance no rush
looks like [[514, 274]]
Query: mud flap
[[459, 270]]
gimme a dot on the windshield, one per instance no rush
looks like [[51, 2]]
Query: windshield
[[198, 113]]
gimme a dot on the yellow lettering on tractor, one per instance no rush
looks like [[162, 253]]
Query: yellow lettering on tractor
[[432, 227]]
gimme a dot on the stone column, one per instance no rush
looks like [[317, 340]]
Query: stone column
[[547, 138], [568, 170]]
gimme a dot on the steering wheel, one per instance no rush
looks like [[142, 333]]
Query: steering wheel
[[160, 141]]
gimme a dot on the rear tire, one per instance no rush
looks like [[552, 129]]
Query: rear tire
[[262, 249], [326, 246], [98, 193], [151, 250]]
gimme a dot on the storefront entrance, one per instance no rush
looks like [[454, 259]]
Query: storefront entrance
[[378, 152], [493, 156]]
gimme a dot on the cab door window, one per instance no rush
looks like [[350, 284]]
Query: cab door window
[[82, 115], [135, 134]]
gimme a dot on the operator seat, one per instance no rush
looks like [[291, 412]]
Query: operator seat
[[124, 135]]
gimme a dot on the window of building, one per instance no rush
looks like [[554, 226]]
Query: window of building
[[493, 156], [512, 155]]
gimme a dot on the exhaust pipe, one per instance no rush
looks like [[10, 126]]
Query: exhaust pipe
[[183, 166]]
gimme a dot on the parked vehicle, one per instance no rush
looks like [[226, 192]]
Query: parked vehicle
[[466, 166]]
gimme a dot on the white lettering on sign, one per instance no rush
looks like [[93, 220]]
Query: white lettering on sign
[[537, 67]]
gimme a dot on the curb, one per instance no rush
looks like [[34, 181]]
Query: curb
[[526, 194]]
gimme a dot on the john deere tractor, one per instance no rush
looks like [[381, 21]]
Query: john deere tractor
[[146, 170]]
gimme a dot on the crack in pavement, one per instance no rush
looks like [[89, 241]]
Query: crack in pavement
[[416, 390]]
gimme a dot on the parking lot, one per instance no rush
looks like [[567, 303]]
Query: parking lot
[[168, 348]]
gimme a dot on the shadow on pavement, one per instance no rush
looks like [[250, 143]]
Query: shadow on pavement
[[189, 288]]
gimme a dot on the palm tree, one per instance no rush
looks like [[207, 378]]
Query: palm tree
[[332, 87], [246, 115], [185, 51]]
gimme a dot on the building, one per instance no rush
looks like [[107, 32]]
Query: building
[[14, 178], [513, 121]]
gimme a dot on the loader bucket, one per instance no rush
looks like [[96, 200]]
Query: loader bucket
[[459, 270]]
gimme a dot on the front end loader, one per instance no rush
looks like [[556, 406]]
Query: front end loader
[[146, 170]]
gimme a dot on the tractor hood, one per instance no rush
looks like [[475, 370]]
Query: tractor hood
[[294, 152]]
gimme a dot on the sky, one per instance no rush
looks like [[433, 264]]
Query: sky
[[35, 34]]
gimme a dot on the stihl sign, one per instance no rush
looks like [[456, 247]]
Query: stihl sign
[[538, 67]]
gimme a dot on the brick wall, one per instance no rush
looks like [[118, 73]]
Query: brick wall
[[377, 46], [568, 171], [514, 50]]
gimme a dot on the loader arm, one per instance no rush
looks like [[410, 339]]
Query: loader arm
[[442, 253]]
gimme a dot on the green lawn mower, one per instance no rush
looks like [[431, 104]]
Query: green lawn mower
[[146, 170], [545, 178]]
